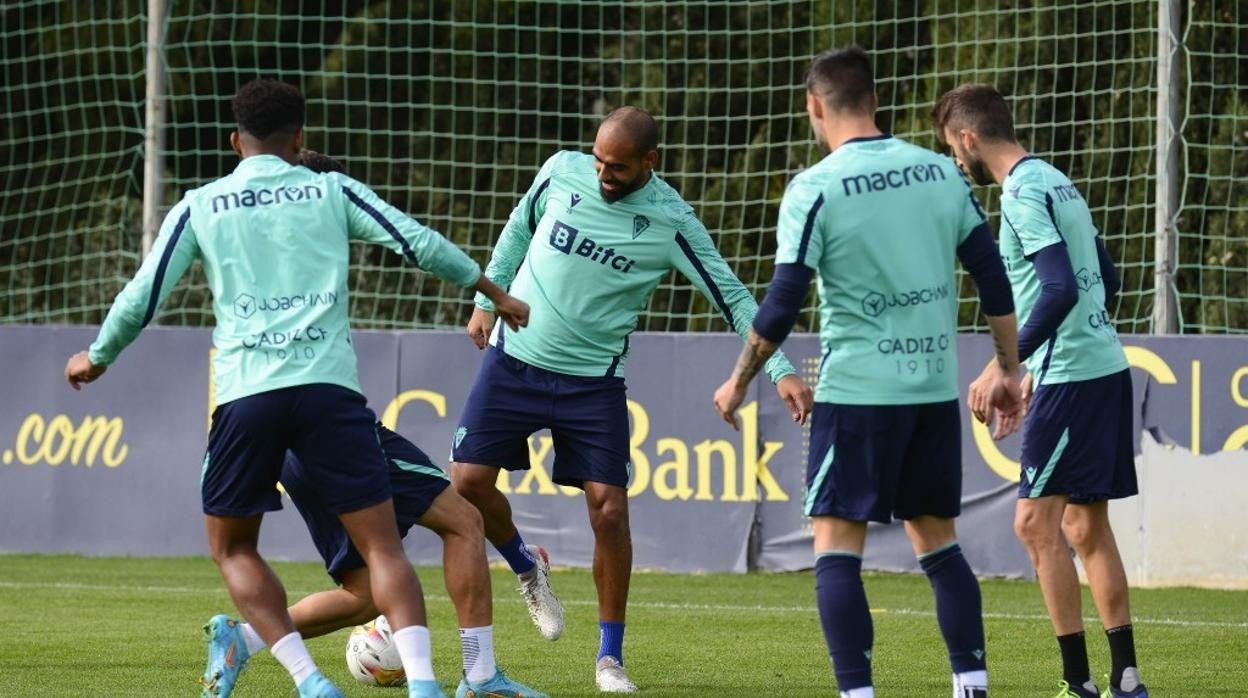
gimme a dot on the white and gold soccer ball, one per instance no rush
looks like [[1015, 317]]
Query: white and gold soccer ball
[[372, 657]]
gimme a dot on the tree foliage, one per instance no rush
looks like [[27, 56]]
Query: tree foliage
[[448, 109]]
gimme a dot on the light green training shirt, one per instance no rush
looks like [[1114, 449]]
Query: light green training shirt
[[273, 239], [587, 268], [1041, 207], [879, 221]]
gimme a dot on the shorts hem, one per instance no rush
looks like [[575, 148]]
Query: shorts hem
[[910, 516], [579, 483], [474, 460], [856, 517], [356, 504], [240, 513]]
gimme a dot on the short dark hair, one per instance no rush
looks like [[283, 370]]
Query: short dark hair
[[320, 162], [639, 125], [842, 78], [977, 107], [264, 107]]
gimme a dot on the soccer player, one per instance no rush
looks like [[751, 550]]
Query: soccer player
[[591, 239], [1077, 438], [422, 496], [880, 221], [273, 239]]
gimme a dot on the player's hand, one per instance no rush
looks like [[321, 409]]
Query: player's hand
[[995, 397], [79, 370], [479, 327], [798, 396], [728, 398], [1026, 390], [512, 311]]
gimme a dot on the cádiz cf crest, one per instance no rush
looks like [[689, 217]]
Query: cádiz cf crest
[[640, 223]]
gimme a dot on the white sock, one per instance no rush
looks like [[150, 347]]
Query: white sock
[[293, 655], [1090, 687], [969, 680], [413, 645], [1130, 679], [478, 648], [864, 692], [251, 638]]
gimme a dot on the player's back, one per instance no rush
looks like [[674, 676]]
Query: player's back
[[274, 242], [1040, 206], [883, 240]]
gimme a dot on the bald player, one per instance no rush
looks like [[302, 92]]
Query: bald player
[[585, 247]]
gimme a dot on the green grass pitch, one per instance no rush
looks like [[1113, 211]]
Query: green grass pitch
[[74, 626]]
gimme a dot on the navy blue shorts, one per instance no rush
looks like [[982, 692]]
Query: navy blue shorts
[[1078, 441], [329, 428], [876, 462], [587, 418], [416, 482]]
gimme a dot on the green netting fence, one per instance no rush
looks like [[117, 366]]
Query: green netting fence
[[448, 108]]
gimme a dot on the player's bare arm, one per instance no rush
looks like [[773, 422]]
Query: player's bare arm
[[512, 310], [996, 393], [731, 394]]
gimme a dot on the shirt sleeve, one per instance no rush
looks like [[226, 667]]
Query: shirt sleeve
[[982, 260], [1109, 273], [783, 302], [1059, 292], [513, 243], [973, 215], [797, 231], [371, 219], [696, 257], [1025, 211], [171, 255]]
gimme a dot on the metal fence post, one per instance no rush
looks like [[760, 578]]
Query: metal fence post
[[154, 116], [1165, 305]]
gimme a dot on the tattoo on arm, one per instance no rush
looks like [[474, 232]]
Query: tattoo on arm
[[755, 353], [1002, 359]]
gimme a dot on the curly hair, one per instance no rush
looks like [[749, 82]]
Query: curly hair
[[265, 107], [320, 162]]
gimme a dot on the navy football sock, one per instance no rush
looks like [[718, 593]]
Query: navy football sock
[[959, 609], [846, 618]]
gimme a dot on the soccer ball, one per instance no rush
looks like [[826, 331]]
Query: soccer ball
[[372, 657]]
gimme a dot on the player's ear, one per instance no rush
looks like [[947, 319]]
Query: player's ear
[[650, 160], [236, 143], [814, 106], [297, 142]]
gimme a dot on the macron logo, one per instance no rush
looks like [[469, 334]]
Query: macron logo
[[893, 179], [248, 198]]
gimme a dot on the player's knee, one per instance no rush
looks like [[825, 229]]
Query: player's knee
[[463, 519], [1078, 532], [226, 551], [472, 482], [358, 584], [609, 513], [1032, 529], [1085, 533]]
